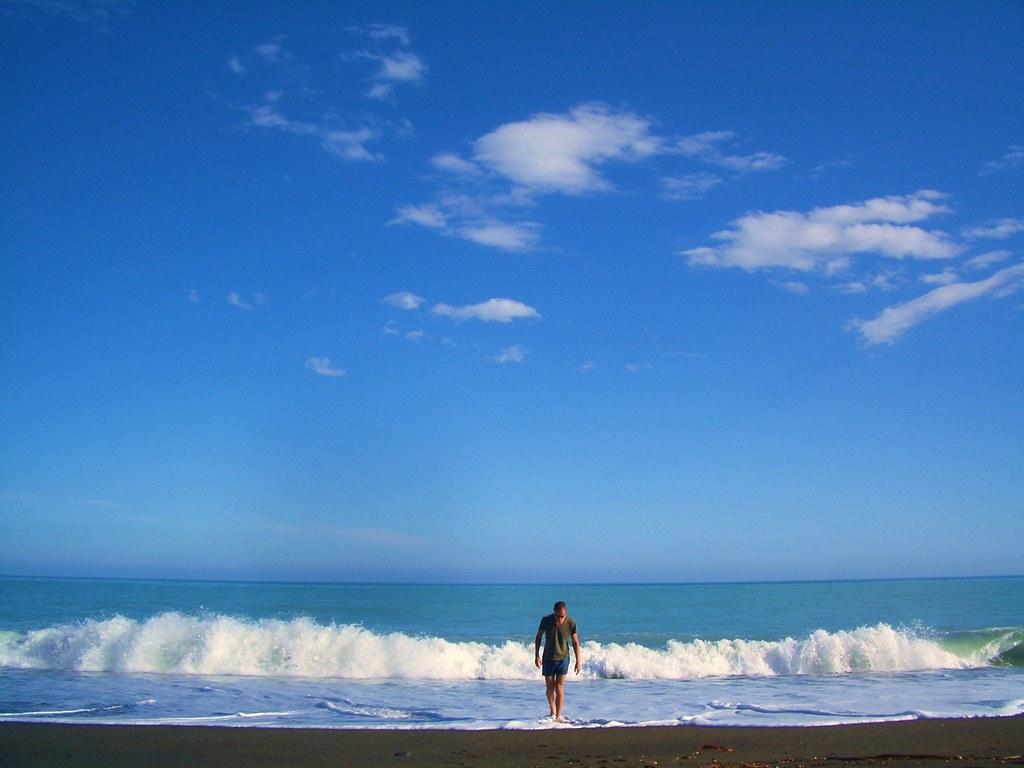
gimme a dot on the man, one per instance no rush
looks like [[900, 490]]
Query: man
[[558, 629]]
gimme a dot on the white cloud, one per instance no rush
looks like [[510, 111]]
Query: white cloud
[[383, 32], [235, 65], [416, 335], [758, 161], [1013, 158], [519, 236], [561, 152], [347, 145], [394, 68], [508, 236], [897, 320], [825, 238], [193, 295], [322, 366], [490, 311], [707, 147], [235, 300], [350, 145], [985, 260], [401, 67], [403, 300], [390, 328], [794, 287], [586, 366], [269, 52], [454, 163], [940, 278], [820, 170], [93, 13], [266, 116], [514, 354], [693, 186], [996, 229], [388, 32], [427, 215], [635, 367]]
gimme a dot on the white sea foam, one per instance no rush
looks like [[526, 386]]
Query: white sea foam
[[174, 643]]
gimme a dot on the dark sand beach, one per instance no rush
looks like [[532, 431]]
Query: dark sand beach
[[975, 742]]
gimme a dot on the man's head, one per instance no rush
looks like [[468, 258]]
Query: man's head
[[560, 611]]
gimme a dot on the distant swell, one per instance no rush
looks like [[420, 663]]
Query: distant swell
[[173, 643]]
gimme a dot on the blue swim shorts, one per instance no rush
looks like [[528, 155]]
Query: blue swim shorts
[[554, 667]]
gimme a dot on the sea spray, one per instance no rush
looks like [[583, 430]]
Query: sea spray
[[175, 643]]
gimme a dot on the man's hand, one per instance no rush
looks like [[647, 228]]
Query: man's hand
[[577, 666], [536, 660]]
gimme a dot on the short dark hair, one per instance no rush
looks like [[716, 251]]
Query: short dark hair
[[558, 605]]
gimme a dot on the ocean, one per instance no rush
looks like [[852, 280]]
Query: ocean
[[461, 656]]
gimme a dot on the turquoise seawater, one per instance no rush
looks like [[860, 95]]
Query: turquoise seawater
[[392, 655]]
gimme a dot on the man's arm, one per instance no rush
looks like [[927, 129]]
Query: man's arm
[[536, 645], [576, 650]]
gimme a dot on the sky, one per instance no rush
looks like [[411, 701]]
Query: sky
[[527, 292]]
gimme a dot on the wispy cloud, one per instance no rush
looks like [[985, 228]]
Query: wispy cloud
[[825, 238], [473, 226], [565, 153], [822, 168], [403, 300], [426, 215], [382, 32], [710, 147], [995, 229], [395, 66], [508, 236], [322, 366], [236, 65], [46, 499], [269, 51], [793, 286], [882, 281], [382, 537], [894, 321], [490, 311], [97, 14], [452, 162], [1011, 159], [515, 354], [258, 300], [940, 278], [235, 300], [400, 67], [347, 145], [986, 260], [692, 186]]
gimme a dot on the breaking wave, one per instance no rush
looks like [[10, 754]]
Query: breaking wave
[[173, 643]]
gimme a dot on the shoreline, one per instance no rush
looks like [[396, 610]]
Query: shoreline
[[983, 741]]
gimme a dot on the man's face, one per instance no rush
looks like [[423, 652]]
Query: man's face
[[560, 615]]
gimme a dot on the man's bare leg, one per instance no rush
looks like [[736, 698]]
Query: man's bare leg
[[559, 696], [549, 691]]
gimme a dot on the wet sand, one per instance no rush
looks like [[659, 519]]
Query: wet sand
[[962, 743]]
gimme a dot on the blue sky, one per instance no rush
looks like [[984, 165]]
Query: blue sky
[[523, 292]]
